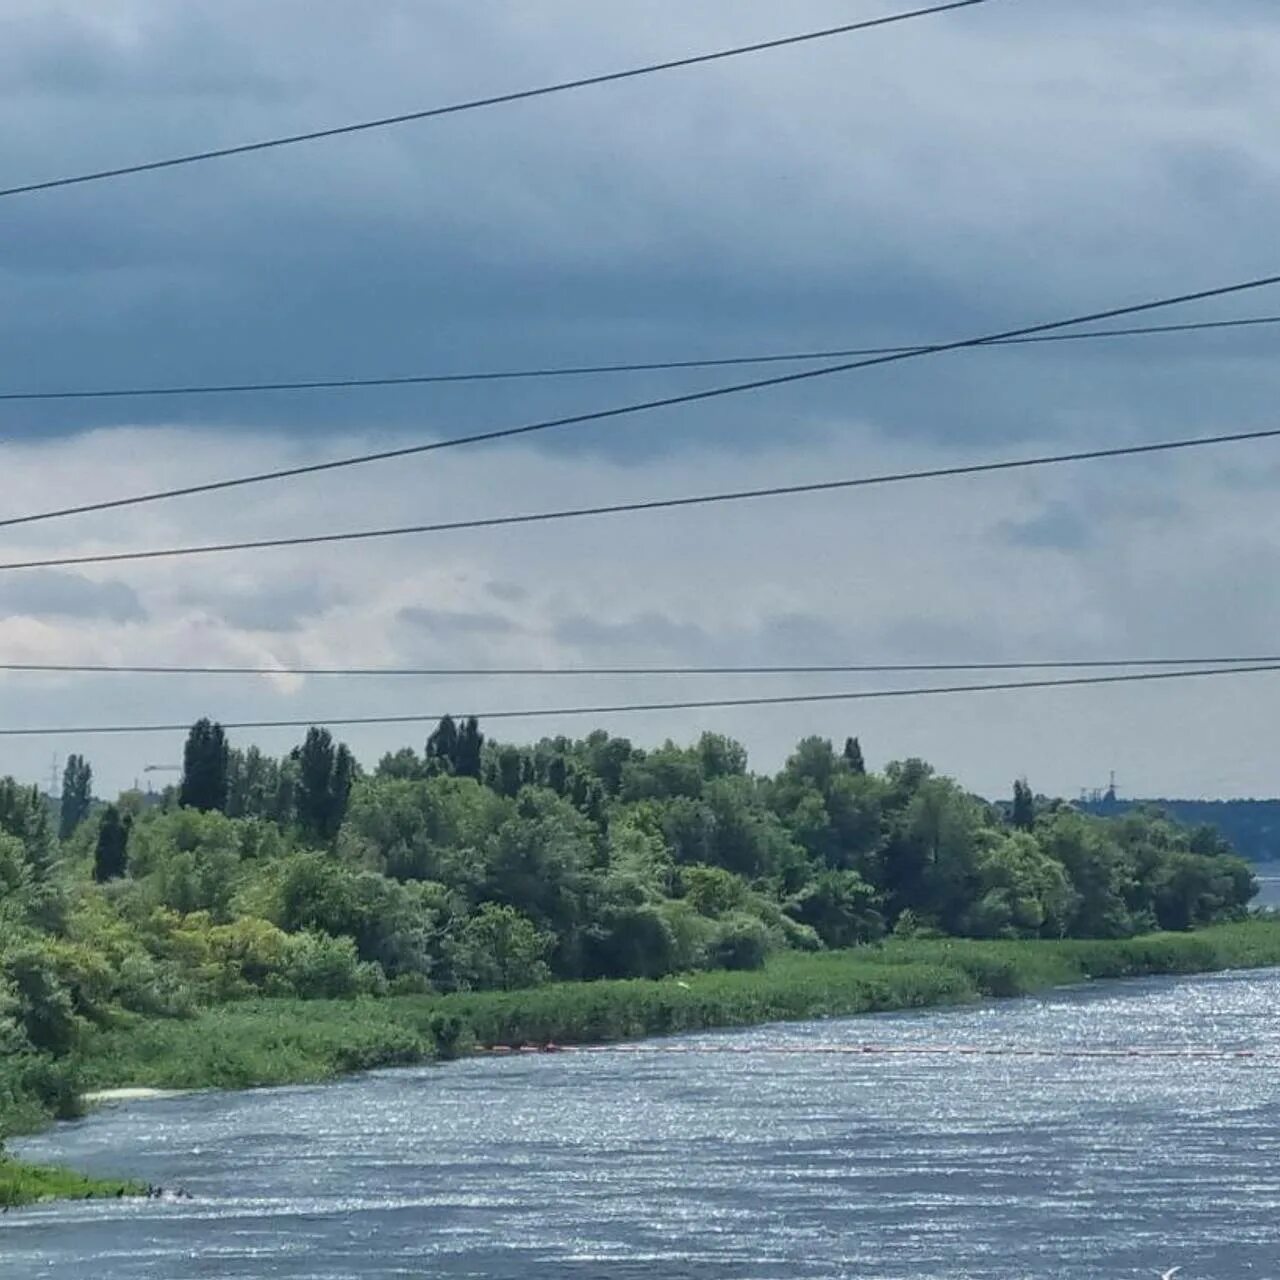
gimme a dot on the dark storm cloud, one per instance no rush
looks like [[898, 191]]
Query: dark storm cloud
[[49, 594], [765, 207]]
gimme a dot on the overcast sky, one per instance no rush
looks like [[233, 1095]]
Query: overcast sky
[[1008, 164]]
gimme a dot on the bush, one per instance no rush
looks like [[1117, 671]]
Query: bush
[[317, 966], [742, 942]]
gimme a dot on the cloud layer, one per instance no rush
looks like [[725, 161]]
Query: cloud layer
[[952, 176], [926, 572]]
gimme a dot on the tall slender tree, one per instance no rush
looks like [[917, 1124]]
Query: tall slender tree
[[111, 856], [77, 795], [853, 756], [205, 765], [1024, 807], [442, 745], [468, 748]]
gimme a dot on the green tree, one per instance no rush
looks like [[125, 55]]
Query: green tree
[[841, 908], [442, 746], [853, 756], [111, 854], [1020, 891], [25, 816], [205, 764], [77, 795], [498, 947], [391, 924], [430, 829], [1023, 815], [505, 770], [44, 1006], [631, 939], [325, 775], [253, 780], [468, 749], [539, 861]]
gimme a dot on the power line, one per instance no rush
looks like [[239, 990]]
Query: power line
[[474, 104], [692, 705], [643, 406], [801, 669], [592, 370], [653, 504]]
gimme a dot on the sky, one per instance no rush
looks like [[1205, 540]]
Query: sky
[[1004, 165]]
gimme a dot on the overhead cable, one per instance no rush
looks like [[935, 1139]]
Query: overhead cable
[[653, 504], [593, 370], [799, 669], [627, 708]]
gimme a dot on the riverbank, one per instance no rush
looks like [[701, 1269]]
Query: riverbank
[[272, 1042], [22, 1184], [277, 1042]]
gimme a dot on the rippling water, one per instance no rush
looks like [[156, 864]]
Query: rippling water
[[749, 1165]]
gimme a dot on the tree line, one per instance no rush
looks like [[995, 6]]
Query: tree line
[[471, 864]]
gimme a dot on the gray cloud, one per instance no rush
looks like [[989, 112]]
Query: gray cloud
[[507, 592], [645, 632], [1026, 170], [599, 225], [444, 623], [51, 594], [1056, 528], [271, 607]]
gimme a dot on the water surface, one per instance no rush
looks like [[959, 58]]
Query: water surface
[[676, 1164]]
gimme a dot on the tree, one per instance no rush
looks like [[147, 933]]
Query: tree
[[1023, 817], [205, 768], [111, 855], [501, 947], [1020, 891], [77, 795], [841, 908], [25, 815], [253, 780], [468, 749], [325, 775], [505, 772], [853, 756], [43, 1005], [442, 745]]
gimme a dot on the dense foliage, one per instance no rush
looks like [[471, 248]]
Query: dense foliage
[[485, 866]]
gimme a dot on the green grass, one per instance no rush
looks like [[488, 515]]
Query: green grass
[[29, 1183], [266, 1042]]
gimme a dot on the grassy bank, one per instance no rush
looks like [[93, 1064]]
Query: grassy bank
[[28, 1183], [287, 1041]]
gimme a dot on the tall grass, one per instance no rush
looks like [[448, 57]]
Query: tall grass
[[291, 1041]]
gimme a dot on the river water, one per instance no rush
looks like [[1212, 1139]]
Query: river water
[[675, 1164]]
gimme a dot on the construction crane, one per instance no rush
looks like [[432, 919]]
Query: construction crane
[[162, 768]]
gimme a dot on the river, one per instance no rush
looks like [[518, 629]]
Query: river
[[1268, 887], [675, 1164]]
